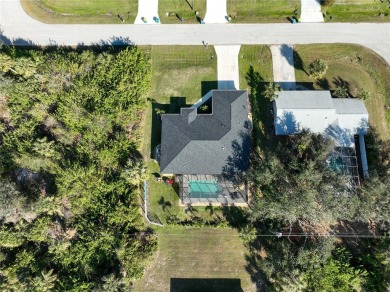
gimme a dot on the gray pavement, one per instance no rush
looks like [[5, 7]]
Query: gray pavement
[[19, 28], [283, 66], [228, 71]]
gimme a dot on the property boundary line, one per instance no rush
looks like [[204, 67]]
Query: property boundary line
[[146, 212]]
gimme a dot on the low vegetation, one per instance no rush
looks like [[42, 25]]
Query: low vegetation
[[70, 169]]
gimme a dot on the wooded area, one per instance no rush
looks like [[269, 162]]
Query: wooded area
[[70, 169], [315, 230]]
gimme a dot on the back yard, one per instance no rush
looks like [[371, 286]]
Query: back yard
[[196, 253]]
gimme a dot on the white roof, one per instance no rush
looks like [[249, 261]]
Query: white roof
[[339, 119]]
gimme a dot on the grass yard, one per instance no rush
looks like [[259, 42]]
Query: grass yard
[[355, 66], [260, 58], [254, 11], [357, 11], [181, 8], [96, 11], [196, 253], [180, 76]]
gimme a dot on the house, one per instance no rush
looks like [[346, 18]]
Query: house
[[344, 120], [207, 148]]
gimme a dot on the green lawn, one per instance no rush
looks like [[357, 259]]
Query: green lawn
[[181, 8], [180, 75], [254, 11], [359, 68], [358, 11], [196, 253], [96, 11], [260, 58]]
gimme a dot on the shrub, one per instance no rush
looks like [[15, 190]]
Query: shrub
[[317, 68]]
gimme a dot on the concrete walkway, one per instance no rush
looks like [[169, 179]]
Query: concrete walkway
[[283, 66], [18, 28], [228, 71], [216, 11], [311, 11], [147, 10]]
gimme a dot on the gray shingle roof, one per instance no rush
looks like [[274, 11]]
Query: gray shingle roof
[[194, 143]]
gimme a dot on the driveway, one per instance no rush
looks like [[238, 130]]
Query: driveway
[[147, 10], [18, 28], [216, 11], [311, 11], [283, 66], [228, 72]]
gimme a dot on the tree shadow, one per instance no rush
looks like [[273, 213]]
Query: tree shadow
[[286, 124], [323, 83], [298, 62], [340, 82], [164, 204], [238, 164], [287, 52], [261, 109]]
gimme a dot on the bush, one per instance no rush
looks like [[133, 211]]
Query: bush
[[317, 68]]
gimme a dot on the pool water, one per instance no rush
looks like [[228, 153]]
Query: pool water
[[203, 189]]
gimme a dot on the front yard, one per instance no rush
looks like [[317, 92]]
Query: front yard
[[356, 67]]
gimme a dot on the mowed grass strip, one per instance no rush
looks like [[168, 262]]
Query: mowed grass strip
[[180, 76], [82, 12], [255, 11], [196, 253], [358, 67], [170, 10], [358, 11]]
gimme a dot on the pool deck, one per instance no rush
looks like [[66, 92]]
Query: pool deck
[[230, 195]]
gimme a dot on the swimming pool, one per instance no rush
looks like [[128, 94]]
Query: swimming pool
[[203, 189]]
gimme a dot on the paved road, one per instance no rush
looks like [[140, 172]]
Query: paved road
[[21, 29]]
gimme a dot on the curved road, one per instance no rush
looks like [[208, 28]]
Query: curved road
[[18, 28]]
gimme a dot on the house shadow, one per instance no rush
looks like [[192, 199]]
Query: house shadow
[[206, 86], [205, 285]]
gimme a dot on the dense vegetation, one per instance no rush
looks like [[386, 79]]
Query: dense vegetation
[[70, 169], [297, 196]]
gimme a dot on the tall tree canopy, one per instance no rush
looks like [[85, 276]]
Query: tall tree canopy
[[70, 169]]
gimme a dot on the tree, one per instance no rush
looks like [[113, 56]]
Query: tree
[[363, 94], [341, 91], [270, 91], [336, 274], [317, 68], [70, 168]]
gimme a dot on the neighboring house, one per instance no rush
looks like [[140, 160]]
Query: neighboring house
[[344, 120], [209, 152]]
